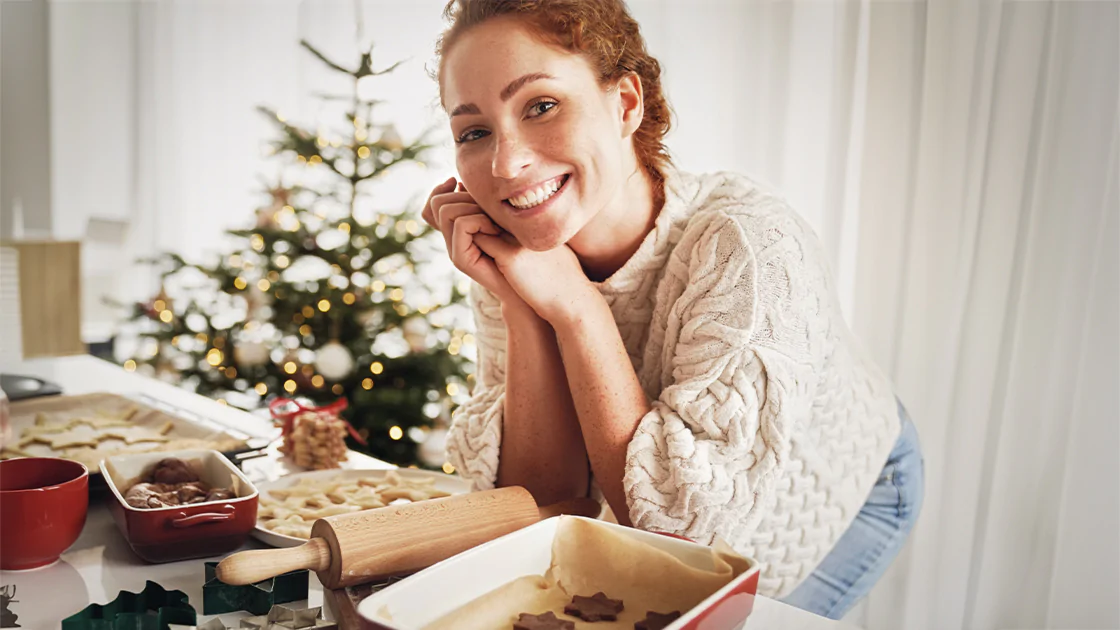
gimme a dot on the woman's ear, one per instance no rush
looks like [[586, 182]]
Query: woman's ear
[[631, 105]]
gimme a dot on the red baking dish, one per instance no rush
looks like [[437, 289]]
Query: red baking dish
[[181, 532], [409, 604]]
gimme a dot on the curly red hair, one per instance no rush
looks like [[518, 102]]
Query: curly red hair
[[605, 33]]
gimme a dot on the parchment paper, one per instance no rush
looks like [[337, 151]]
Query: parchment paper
[[588, 558]]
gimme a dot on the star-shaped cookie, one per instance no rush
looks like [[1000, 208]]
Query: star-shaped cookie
[[598, 607], [547, 621], [656, 620]]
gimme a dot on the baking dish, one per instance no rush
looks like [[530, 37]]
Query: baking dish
[[181, 532]]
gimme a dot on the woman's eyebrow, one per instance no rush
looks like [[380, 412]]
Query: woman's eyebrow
[[465, 108], [506, 93], [521, 82]]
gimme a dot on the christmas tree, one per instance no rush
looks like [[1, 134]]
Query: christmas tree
[[313, 302]]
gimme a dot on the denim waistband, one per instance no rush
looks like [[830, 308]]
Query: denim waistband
[[908, 433]]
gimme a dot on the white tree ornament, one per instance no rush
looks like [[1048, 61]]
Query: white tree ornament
[[334, 361]]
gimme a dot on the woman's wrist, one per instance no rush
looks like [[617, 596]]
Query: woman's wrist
[[517, 313], [581, 308]]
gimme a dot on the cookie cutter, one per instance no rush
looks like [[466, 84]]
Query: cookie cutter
[[213, 624], [282, 617], [219, 597], [154, 608]]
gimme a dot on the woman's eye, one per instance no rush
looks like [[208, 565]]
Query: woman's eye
[[471, 135], [537, 110]]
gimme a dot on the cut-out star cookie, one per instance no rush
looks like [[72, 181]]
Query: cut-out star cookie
[[656, 620], [62, 440], [103, 422], [598, 607], [547, 621]]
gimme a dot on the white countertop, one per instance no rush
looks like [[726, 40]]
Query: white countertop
[[101, 564]]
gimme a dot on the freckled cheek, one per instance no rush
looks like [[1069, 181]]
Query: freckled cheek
[[559, 144], [474, 171], [467, 166]]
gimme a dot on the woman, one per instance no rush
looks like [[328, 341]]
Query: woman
[[676, 339]]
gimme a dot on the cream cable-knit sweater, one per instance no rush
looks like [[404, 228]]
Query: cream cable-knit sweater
[[769, 422]]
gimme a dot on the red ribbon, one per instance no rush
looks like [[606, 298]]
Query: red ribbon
[[288, 417]]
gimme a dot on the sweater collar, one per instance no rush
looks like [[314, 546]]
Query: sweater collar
[[652, 253]]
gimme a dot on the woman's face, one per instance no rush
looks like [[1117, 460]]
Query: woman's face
[[539, 145]]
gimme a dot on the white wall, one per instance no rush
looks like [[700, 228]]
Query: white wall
[[24, 118], [93, 140], [93, 143]]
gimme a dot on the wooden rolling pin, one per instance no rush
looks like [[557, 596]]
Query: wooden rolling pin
[[349, 549]]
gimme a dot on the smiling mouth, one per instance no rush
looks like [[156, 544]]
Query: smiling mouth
[[540, 194]]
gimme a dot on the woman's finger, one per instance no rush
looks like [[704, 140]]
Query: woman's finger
[[468, 257], [428, 215], [496, 245], [463, 233], [443, 199], [465, 230], [449, 213]]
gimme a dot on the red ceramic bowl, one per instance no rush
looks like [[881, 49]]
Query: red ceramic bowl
[[43, 504]]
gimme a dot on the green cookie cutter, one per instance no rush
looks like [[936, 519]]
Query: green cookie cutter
[[154, 608], [219, 597]]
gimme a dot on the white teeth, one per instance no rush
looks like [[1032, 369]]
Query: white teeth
[[538, 195]]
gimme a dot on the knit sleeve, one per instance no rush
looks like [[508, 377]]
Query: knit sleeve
[[474, 439], [706, 460]]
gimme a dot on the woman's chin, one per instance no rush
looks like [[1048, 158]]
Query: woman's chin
[[541, 244], [543, 240]]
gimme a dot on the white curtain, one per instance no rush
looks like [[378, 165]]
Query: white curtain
[[958, 159], [1002, 316]]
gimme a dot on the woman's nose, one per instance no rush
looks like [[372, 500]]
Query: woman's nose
[[511, 156]]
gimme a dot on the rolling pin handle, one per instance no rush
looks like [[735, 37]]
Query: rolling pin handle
[[249, 567]]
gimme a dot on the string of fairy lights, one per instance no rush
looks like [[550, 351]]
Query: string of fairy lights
[[215, 355]]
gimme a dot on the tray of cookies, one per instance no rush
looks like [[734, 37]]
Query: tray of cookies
[[90, 427], [291, 504]]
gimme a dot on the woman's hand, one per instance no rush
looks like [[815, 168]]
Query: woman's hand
[[456, 215], [552, 282]]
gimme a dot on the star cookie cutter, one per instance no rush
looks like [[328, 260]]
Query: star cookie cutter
[[283, 617], [213, 624], [219, 597]]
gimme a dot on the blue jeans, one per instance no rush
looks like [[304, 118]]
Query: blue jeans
[[864, 552]]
